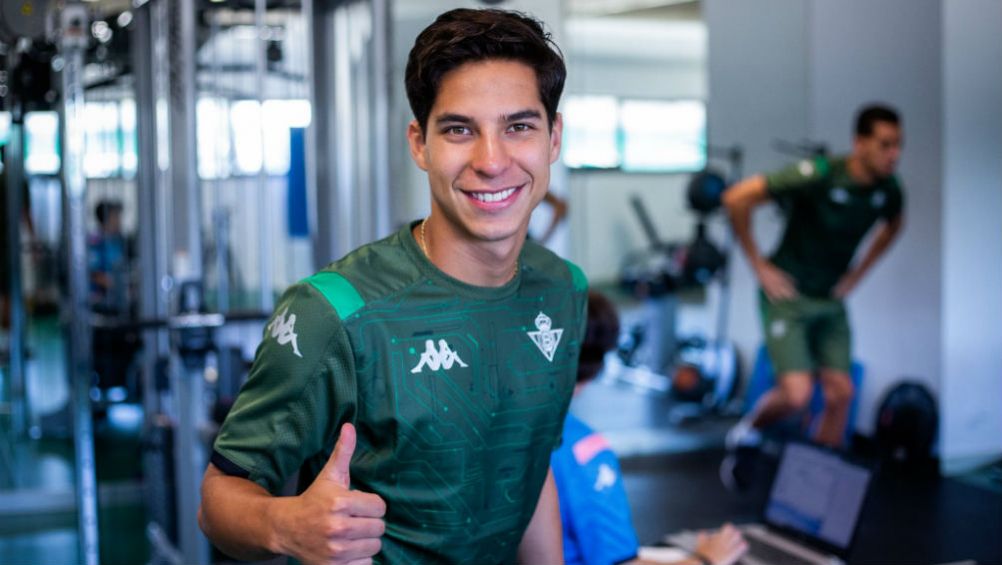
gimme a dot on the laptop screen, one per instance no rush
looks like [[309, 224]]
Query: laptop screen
[[818, 494]]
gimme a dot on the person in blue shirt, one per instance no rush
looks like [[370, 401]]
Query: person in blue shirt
[[594, 510], [108, 261]]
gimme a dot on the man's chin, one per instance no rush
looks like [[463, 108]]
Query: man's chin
[[494, 234]]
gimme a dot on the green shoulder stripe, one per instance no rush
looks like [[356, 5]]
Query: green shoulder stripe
[[338, 291], [821, 165], [577, 276]]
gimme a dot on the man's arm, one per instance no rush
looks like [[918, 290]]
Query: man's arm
[[236, 514], [328, 523], [740, 200], [723, 547], [559, 206], [543, 539], [886, 234]]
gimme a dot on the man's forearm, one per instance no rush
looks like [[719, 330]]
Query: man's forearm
[[235, 515], [881, 242], [543, 538], [741, 222], [740, 200]]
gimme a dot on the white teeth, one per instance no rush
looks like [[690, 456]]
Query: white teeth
[[493, 196]]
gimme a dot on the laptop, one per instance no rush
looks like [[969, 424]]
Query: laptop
[[811, 514]]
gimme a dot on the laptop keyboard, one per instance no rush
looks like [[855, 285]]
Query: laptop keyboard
[[771, 554]]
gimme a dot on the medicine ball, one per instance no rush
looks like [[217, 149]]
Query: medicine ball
[[703, 259], [705, 190], [907, 422]]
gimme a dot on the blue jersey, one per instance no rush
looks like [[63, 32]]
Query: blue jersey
[[594, 511]]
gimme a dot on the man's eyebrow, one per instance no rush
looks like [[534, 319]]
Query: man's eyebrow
[[452, 119], [523, 115]]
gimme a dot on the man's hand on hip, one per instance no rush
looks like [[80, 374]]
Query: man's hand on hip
[[846, 284], [776, 283]]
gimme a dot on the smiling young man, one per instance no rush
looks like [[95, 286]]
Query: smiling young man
[[420, 383], [832, 204]]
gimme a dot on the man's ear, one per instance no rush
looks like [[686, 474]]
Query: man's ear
[[556, 137], [416, 142]]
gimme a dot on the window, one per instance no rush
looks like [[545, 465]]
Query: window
[[604, 132], [590, 124], [41, 143], [231, 140]]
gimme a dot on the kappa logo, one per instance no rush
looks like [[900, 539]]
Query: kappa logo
[[878, 199], [282, 329], [606, 478], [546, 339], [435, 359], [778, 328], [839, 195]]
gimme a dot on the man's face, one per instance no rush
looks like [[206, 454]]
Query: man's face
[[114, 222], [879, 152], [487, 149]]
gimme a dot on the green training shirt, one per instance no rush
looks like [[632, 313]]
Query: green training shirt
[[828, 215], [458, 394]]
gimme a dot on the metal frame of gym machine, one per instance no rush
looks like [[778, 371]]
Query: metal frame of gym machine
[[347, 151]]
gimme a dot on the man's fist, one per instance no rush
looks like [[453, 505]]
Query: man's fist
[[329, 523]]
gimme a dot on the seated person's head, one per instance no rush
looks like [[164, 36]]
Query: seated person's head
[[601, 335], [109, 215]]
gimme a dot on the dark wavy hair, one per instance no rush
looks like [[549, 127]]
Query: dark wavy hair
[[466, 35], [601, 335], [105, 209]]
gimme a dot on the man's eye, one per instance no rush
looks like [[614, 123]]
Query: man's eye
[[520, 127], [457, 130]]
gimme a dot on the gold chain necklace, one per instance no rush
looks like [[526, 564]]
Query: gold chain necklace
[[424, 246]]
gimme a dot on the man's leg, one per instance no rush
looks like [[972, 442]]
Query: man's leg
[[790, 395], [838, 392], [786, 339], [835, 356]]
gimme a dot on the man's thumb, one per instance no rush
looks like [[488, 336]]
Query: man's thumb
[[337, 466]]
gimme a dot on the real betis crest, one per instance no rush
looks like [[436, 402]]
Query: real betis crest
[[546, 339]]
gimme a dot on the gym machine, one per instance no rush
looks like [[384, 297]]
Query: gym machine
[[700, 372]]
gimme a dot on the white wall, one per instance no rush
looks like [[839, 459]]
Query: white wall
[[971, 384]]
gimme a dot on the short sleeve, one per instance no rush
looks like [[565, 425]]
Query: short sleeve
[[300, 389], [895, 202], [595, 512], [796, 178]]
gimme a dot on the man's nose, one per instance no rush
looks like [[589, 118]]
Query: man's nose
[[491, 156]]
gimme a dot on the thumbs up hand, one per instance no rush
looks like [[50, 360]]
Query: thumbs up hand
[[329, 523]]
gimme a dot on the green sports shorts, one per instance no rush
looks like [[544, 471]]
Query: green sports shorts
[[806, 333]]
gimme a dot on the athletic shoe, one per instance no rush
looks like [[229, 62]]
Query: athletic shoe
[[737, 470], [743, 441], [743, 434]]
